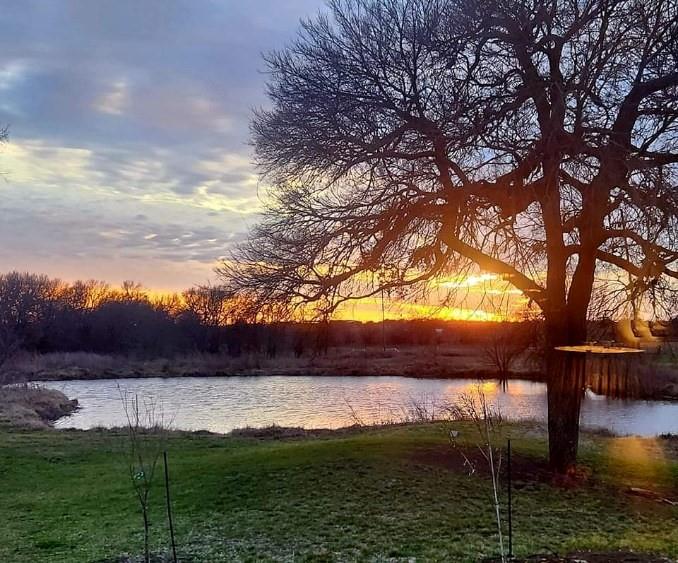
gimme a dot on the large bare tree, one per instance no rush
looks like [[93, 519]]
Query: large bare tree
[[533, 139]]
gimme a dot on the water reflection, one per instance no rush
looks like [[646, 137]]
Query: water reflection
[[220, 404]]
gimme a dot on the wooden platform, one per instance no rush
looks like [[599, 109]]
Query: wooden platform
[[594, 349]]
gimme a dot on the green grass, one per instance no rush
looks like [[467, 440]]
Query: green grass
[[380, 495]]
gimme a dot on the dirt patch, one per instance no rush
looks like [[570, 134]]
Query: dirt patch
[[528, 471], [468, 459], [275, 432]]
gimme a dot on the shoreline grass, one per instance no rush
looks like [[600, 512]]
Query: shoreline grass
[[33, 406], [381, 494], [411, 361]]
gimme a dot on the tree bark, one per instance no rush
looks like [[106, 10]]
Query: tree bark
[[565, 388], [566, 380]]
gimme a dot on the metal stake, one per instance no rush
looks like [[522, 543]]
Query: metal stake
[[169, 509], [510, 504]]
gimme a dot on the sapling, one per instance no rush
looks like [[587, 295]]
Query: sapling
[[146, 430], [487, 420]]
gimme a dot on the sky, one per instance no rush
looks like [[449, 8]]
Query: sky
[[129, 155]]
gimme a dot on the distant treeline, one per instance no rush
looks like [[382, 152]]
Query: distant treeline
[[41, 314]]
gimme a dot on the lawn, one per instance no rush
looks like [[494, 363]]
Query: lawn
[[390, 494]]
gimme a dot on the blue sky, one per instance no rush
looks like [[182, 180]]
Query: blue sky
[[128, 155]]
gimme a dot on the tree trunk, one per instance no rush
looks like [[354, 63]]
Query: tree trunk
[[565, 385], [566, 373]]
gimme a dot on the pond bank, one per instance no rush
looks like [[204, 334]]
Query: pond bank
[[420, 361], [32, 406]]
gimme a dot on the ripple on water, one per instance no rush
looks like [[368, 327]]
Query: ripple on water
[[220, 404]]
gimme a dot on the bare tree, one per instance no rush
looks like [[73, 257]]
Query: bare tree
[[533, 139], [506, 344], [85, 296], [146, 433], [9, 345], [209, 304], [27, 305]]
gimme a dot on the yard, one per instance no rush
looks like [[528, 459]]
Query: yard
[[387, 494]]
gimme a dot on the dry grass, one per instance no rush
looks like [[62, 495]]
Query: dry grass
[[32, 406], [415, 361]]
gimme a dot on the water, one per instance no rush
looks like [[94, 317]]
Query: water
[[220, 404]]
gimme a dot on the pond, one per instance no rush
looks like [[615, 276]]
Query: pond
[[220, 404]]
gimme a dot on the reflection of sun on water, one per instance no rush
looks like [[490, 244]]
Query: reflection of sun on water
[[488, 388], [453, 313]]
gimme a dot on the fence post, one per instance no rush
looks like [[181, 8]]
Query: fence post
[[169, 508], [510, 504]]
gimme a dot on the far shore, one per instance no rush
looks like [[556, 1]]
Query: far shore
[[457, 361], [658, 380]]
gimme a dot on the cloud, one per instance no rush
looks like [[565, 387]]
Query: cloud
[[101, 206], [115, 101], [129, 132], [11, 74]]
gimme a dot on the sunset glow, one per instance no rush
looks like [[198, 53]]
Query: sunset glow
[[369, 310], [162, 201]]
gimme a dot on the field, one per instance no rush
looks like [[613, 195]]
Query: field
[[386, 494]]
